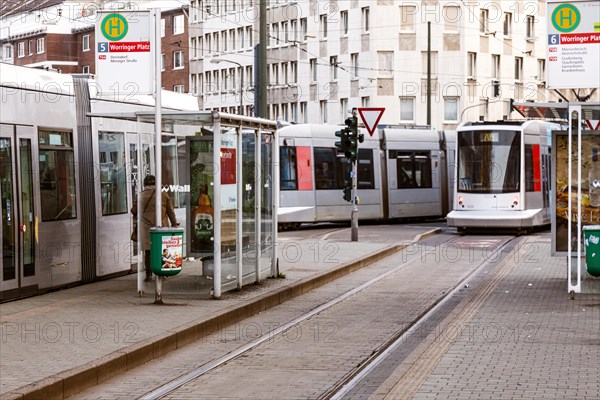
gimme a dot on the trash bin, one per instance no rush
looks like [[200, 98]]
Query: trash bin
[[166, 250], [591, 235]]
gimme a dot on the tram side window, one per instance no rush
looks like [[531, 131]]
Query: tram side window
[[366, 176], [57, 175], [182, 171], [413, 169], [113, 180], [329, 169], [288, 168]]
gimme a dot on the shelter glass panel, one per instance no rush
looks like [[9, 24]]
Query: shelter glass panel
[[248, 202], [229, 227], [266, 208]]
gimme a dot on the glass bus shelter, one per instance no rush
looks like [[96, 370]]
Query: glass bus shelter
[[228, 178]]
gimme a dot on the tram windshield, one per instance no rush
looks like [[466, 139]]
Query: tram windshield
[[489, 161]]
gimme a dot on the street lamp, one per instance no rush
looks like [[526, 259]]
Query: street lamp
[[218, 60]]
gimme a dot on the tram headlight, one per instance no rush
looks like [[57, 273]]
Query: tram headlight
[[460, 201], [515, 201]]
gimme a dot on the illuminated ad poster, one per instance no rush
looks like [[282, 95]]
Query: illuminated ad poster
[[573, 44], [202, 187], [171, 251], [590, 188], [124, 56]]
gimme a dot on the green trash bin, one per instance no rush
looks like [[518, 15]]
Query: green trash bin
[[591, 235], [166, 250]]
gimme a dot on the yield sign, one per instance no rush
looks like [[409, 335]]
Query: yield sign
[[371, 117]]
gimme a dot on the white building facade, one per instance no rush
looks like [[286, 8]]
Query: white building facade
[[326, 58]]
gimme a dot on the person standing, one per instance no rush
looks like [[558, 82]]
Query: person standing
[[148, 217]]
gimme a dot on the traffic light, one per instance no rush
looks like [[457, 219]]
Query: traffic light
[[353, 137], [344, 143], [348, 192], [495, 88]]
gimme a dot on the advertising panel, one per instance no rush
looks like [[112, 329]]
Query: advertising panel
[[590, 188]]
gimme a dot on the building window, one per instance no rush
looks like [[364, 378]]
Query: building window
[[85, 41], [407, 108], [178, 59], [179, 88], [386, 63], [323, 104], [30, 47], [313, 69], [303, 112], [162, 27], [21, 49], [295, 112], [57, 175], [344, 17], [178, 24], [530, 31], [541, 70], [194, 48], [284, 73], [8, 52], [471, 65], [496, 66], [365, 101], [333, 62], [86, 69], [484, 21], [407, 18], [40, 45], [354, 63], [323, 26], [507, 27], [450, 109], [518, 68], [285, 28], [163, 61], [275, 70], [343, 109], [365, 19], [193, 84], [451, 15], [294, 71], [303, 29], [224, 41]]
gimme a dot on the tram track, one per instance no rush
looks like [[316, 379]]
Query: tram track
[[345, 386], [354, 376]]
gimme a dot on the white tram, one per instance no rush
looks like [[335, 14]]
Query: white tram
[[67, 181], [502, 172], [402, 173]]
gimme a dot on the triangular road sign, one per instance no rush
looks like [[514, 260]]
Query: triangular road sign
[[371, 117]]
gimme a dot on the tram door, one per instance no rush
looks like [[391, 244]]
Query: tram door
[[18, 272]]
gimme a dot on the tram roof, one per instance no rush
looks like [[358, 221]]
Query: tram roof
[[192, 118], [589, 110]]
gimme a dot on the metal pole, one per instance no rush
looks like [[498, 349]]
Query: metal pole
[[239, 208], [258, 200], [217, 201], [429, 73], [157, 132], [261, 67], [354, 215], [241, 97]]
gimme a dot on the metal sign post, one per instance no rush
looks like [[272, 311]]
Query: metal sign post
[[354, 215]]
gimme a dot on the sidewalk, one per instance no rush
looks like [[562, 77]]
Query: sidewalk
[[55, 345]]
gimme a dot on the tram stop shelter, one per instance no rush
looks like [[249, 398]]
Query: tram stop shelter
[[575, 160], [229, 181]]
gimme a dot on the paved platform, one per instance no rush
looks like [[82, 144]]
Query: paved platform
[[519, 337], [57, 344]]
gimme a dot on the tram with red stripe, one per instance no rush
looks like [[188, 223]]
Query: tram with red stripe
[[502, 175]]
